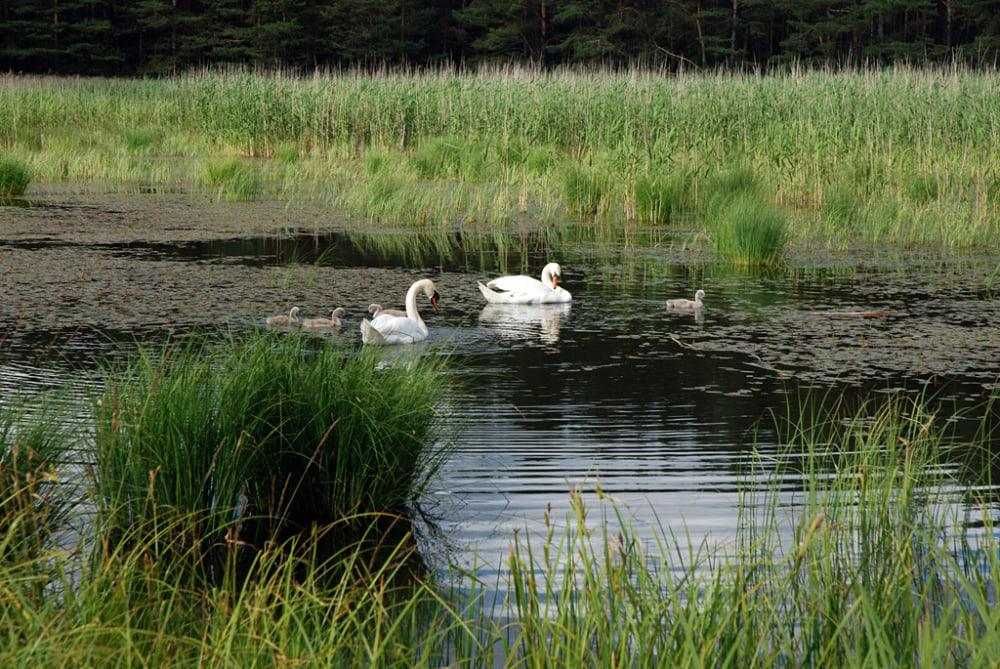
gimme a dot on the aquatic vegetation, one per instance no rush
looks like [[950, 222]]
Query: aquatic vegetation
[[264, 438], [139, 140], [870, 558], [14, 178], [233, 180], [922, 189], [499, 145], [660, 199], [747, 231], [33, 440], [584, 189]]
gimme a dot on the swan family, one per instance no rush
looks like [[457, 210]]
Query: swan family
[[391, 326]]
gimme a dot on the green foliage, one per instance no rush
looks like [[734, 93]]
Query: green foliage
[[872, 557], [748, 232], [14, 178], [841, 207], [922, 189], [583, 189], [660, 199], [287, 154], [453, 157], [730, 184], [541, 159], [101, 37], [234, 180], [138, 141], [280, 433], [32, 442], [521, 145]]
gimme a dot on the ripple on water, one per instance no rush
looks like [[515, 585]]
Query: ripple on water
[[660, 411]]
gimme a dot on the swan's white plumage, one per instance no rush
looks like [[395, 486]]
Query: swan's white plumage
[[387, 328], [527, 290]]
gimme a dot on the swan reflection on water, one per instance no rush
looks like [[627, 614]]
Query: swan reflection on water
[[517, 321]]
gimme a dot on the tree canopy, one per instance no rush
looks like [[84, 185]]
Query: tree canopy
[[129, 37]]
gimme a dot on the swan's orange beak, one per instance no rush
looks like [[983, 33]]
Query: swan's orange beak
[[434, 301], [555, 280]]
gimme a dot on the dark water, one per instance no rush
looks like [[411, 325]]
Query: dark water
[[660, 411]]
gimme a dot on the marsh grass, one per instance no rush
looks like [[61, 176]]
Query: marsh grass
[[500, 146], [33, 441], [853, 548], [660, 199], [261, 440], [233, 180], [747, 231], [14, 178], [584, 189]]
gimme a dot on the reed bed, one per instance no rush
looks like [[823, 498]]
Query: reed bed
[[899, 156], [872, 557], [14, 178], [260, 441], [34, 439]]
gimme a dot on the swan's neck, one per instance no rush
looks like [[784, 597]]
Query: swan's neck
[[547, 278], [411, 302]]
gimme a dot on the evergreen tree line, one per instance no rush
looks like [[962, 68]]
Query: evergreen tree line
[[128, 37]]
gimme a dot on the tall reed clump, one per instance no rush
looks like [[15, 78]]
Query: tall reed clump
[[32, 443], [584, 189], [746, 230], [233, 180], [262, 440], [660, 199], [14, 178], [749, 233]]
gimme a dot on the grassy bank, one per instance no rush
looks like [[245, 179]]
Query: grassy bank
[[889, 157], [873, 564]]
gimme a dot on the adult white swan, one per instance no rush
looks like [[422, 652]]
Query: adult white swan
[[389, 329], [526, 290]]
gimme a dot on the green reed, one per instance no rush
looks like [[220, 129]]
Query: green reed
[[14, 178], [914, 149], [852, 549], [34, 439], [262, 439]]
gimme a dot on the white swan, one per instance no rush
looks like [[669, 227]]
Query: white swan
[[333, 322], [388, 329], [526, 290], [285, 320], [688, 305], [376, 310]]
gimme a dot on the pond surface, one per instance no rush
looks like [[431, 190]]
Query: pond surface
[[661, 411]]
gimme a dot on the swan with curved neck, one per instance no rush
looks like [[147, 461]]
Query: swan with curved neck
[[387, 328], [527, 290], [291, 319], [697, 304], [334, 321]]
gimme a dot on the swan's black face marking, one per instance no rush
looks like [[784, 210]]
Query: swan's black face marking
[[434, 300]]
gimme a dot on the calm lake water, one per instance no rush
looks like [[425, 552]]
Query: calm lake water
[[661, 411]]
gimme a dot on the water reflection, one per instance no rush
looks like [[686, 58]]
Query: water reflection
[[663, 409], [519, 321]]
